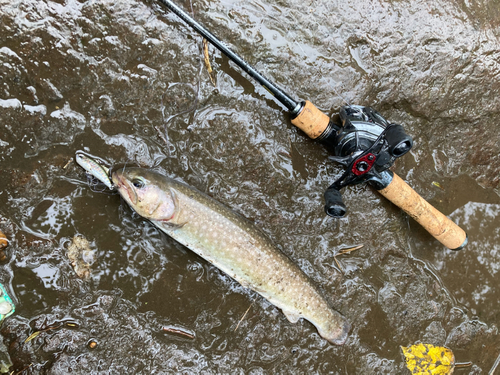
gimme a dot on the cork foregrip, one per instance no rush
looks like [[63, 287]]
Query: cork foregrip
[[311, 120], [437, 224]]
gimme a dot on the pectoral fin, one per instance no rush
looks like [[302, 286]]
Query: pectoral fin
[[172, 225]]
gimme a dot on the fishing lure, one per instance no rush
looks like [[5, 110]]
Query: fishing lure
[[94, 168], [7, 307]]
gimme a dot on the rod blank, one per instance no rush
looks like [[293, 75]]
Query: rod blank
[[291, 104]]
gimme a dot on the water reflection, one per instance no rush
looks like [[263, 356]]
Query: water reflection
[[48, 218], [48, 274]]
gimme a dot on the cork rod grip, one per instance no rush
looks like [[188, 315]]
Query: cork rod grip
[[311, 120], [437, 224]]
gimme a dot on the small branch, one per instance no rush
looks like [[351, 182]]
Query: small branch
[[243, 317]]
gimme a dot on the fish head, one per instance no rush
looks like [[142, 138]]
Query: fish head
[[146, 192]]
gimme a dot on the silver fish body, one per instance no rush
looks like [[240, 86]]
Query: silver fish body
[[232, 244], [94, 168]]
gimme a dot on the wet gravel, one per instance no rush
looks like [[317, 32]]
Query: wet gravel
[[126, 81]]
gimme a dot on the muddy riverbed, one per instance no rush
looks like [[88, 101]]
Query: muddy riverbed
[[125, 80]]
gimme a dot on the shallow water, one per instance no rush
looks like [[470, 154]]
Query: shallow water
[[126, 81]]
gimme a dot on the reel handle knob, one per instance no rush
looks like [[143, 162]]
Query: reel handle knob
[[334, 205], [436, 223]]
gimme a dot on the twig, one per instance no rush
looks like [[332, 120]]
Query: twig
[[345, 251], [338, 264], [36, 333], [495, 365], [463, 364], [178, 331], [243, 317], [160, 134], [68, 163], [22, 370]]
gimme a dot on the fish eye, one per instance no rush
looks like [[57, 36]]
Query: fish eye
[[138, 183]]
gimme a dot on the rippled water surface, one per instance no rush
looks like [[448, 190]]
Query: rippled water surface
[[125, 80]]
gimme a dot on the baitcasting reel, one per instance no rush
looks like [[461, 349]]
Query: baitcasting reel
[[366, 145]]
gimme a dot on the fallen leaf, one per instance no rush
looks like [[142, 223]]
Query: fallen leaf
[[32, 336], [207, 60], [3, 240], [429, 359], [79, 254], [206, 56], [437, 184]]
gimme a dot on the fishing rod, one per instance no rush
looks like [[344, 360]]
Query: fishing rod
[[365, 143]]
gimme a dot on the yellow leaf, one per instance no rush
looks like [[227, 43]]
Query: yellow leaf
[[32, 336], [429, 359], [437, 184], [207, 60], [206, 56]]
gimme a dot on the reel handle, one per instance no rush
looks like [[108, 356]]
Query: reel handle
[[436, 223]]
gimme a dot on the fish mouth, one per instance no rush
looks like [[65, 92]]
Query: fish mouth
[[124, 186]]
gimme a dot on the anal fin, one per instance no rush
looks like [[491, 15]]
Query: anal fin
[[293, 317]]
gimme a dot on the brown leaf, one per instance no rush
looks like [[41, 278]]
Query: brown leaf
[[207, 60], [4, 242]]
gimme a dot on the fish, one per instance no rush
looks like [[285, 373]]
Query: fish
[[231, 243], [94, 168]]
